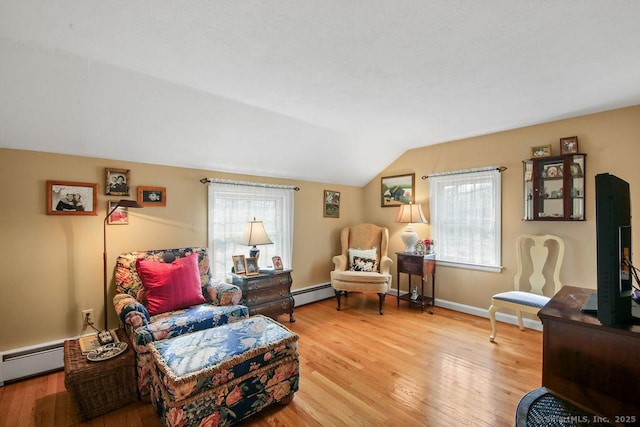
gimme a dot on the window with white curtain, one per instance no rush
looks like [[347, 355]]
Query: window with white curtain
[[465, 209], [232, 205]]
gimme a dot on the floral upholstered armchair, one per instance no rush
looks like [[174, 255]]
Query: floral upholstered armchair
[[165, 293]]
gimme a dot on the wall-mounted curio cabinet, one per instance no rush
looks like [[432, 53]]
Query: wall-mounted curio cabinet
[[554, 188]]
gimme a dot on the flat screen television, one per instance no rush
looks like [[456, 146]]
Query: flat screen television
[[613, 240]]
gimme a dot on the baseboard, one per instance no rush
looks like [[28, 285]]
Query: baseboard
[[29, 361]]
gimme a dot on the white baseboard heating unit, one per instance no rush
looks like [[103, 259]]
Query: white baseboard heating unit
[[29, 361]]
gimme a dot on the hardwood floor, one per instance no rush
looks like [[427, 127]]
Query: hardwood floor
[[357, 368]]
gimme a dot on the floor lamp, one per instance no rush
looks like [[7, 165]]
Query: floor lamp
[[121, 204]]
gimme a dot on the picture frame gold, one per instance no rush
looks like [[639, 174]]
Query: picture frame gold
[[119, 216], [71, 198], [538, 151], [239, 266], [117, 182], [331, 204], [152, 196], [277, 263], [397, 190], [569, 145], [251, 266]]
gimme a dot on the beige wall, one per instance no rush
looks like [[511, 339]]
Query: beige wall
[[612, 143], [52, 265]]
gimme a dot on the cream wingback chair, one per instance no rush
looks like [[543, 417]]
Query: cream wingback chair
[[363, 265], [536, 264]]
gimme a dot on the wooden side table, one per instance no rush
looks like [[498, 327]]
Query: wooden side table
[[418, 265], [100, 387], [267, 293]]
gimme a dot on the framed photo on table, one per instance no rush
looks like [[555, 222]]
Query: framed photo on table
[[251, 266], [277, 263], [71, 198], [239, 266], [397, 190]]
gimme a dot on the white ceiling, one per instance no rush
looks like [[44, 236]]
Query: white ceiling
[[327, 90]]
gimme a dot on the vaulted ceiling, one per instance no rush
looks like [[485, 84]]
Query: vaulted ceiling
[[327, 90]]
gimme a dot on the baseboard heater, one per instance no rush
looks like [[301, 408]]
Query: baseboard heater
[[312, 294], [30, 361]]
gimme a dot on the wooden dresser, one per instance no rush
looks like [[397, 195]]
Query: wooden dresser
[[267, 293]]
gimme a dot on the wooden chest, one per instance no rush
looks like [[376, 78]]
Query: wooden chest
[[267, 293]]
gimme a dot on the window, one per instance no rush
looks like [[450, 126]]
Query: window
[[232, 205], [465, 218]]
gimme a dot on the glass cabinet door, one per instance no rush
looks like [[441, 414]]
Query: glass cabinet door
[[554, 188]]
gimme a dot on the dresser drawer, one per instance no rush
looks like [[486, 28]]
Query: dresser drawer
[[266, 294], [273, 308]]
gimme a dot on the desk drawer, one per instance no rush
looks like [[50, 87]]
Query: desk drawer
[[411, 265]]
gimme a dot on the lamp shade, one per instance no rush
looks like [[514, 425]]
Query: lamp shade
[[410, 214], [254, 234]]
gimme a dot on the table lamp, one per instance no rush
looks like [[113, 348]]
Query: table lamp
[[254, 234], [410, 214]]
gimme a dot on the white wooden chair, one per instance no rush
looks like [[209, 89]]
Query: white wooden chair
[[533, 259]]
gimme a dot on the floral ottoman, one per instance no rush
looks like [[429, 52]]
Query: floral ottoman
[[222, 375]]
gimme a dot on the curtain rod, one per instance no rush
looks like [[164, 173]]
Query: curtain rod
[[463, 171], [250, 184]]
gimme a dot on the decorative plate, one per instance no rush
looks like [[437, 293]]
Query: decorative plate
[[107, 351], [420, 248]]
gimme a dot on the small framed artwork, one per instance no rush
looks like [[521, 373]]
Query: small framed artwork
[[117, 182], [541, 151], [397, 190], [71, 198], [239, 266], [331, 204], [251, 266], [118, 217], [152, 196], [569, 145], [277, 263]]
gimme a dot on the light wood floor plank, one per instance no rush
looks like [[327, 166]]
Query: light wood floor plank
[[357, 368]]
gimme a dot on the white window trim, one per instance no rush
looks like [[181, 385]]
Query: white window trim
[[435, 209]]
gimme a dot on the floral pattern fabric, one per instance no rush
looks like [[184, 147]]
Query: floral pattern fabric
[[142, 328], [222, 375]]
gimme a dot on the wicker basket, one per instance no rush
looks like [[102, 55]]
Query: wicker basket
[[99, 387]]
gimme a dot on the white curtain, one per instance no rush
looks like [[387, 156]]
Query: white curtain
[[465, 216], [232, 205]]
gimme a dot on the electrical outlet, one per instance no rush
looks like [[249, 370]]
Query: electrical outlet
[[87, 316]]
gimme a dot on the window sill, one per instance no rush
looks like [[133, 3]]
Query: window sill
[[488, 268]]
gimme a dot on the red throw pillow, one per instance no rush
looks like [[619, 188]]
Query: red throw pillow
[[170, 286]]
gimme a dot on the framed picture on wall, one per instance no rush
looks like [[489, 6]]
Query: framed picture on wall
[[71, 198], [117, 182], [152, 196], [118, 217], [331, 204], [397, 190]]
